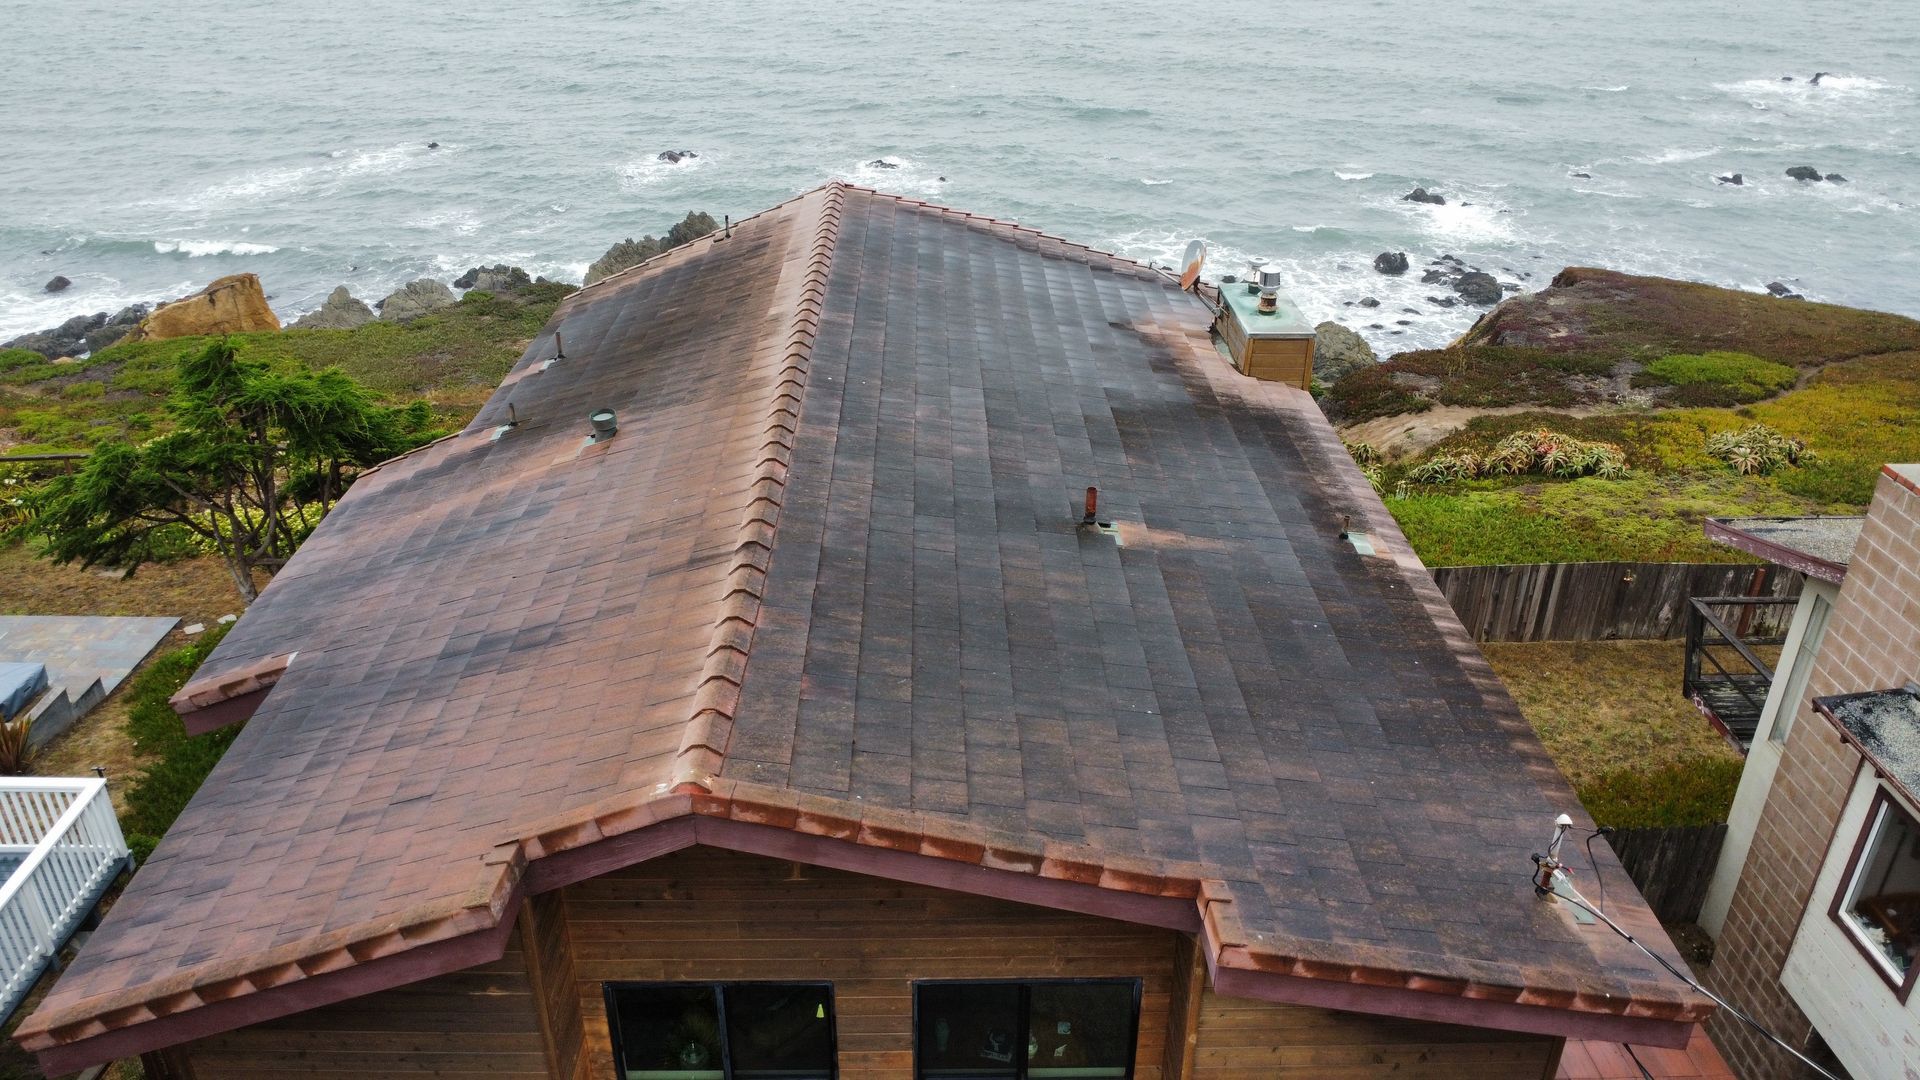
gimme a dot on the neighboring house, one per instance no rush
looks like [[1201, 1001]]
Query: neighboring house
[[1815, 904], [1818, 547], [806, 715]]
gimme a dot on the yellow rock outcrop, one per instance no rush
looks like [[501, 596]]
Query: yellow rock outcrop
[[231, 305]]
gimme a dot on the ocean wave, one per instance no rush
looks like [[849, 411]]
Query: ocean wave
[[1460, 223], [265, 185], [1353, 175], [895, 175], [195, 249], [1605, 89], [1151, 182], [27, 312], [1670, 156], [1325, 284], [1830, 89], [645, 171]]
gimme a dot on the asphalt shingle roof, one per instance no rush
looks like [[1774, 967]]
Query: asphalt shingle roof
[[830, 575]]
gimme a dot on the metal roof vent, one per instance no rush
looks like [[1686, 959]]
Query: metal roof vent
[[1255, 267], [604, 424], [1269, 285]]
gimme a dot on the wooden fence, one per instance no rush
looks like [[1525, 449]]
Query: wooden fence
[[1597, 601], [1671, 867]]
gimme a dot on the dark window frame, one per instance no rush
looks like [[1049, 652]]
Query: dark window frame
[[1025, 1009], [1883, 803], [718, 987]]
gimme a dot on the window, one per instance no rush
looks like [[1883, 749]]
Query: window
[[722, 1031], [1794, 697], [1879, 906], [1016, 1030]]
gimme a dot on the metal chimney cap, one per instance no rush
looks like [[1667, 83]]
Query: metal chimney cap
[[1270, 277], [604, 422]]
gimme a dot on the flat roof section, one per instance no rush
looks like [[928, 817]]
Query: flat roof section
[[1286, 322], [1819, 547], [1885, 725]]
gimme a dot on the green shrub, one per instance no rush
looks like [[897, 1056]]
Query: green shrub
[[85, 390], [19, 358], [1539, 450], [1758, 450], [1720, 378], [162, 789], [1698, 792]]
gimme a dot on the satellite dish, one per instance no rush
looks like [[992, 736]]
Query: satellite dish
[[1190, 266]]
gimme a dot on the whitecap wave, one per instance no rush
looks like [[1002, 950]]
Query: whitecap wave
[[1605, 89], [1801, 89], [896, 175], [646, 171], [195, 249], [30, 311], [1461, 223], [1353, 175], [1151, 182], [341, 168], [1671, 155]]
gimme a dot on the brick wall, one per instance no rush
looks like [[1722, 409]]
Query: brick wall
[[1872, 643]]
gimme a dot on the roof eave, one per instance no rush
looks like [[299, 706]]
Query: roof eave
[[1780, 555], [817, 832]]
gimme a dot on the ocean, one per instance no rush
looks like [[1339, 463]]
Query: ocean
[[145, 150]]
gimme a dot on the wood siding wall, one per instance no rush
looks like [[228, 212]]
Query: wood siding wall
[[550, 972], [712, 915], [1255, 1040], [480, 1022], [705, 915]]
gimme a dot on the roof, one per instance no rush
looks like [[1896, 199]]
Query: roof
[[1885, 726], [1819, 547], [826, 595]]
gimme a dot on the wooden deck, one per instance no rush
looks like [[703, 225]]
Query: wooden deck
[[1610, 1061]]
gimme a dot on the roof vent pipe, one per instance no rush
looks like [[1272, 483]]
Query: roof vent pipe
[[1255, 267], [1269, 290], [604, 424]]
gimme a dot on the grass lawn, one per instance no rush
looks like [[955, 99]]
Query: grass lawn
[[1611, 714]]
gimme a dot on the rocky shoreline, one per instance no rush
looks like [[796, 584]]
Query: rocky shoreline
[[237, 304]]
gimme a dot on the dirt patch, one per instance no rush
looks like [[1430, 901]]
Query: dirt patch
[[1398, 437]]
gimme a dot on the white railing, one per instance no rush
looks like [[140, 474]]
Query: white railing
[[70, 849]]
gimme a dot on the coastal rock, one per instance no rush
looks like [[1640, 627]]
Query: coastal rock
[[1432, 277], [631, 252], [1368, 301], [1391, 262], [118, 327], [69, 337], [58, 283], [882, 163], [1732, 178], [233, 304], [1805, 172], [414, 299], [1476, 287], [1835, 178], [1444, 301], [1817, 76], [675, 157], [1422, 195], [498, 278], [1337, 351], [1581, 175], [340, 312]]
